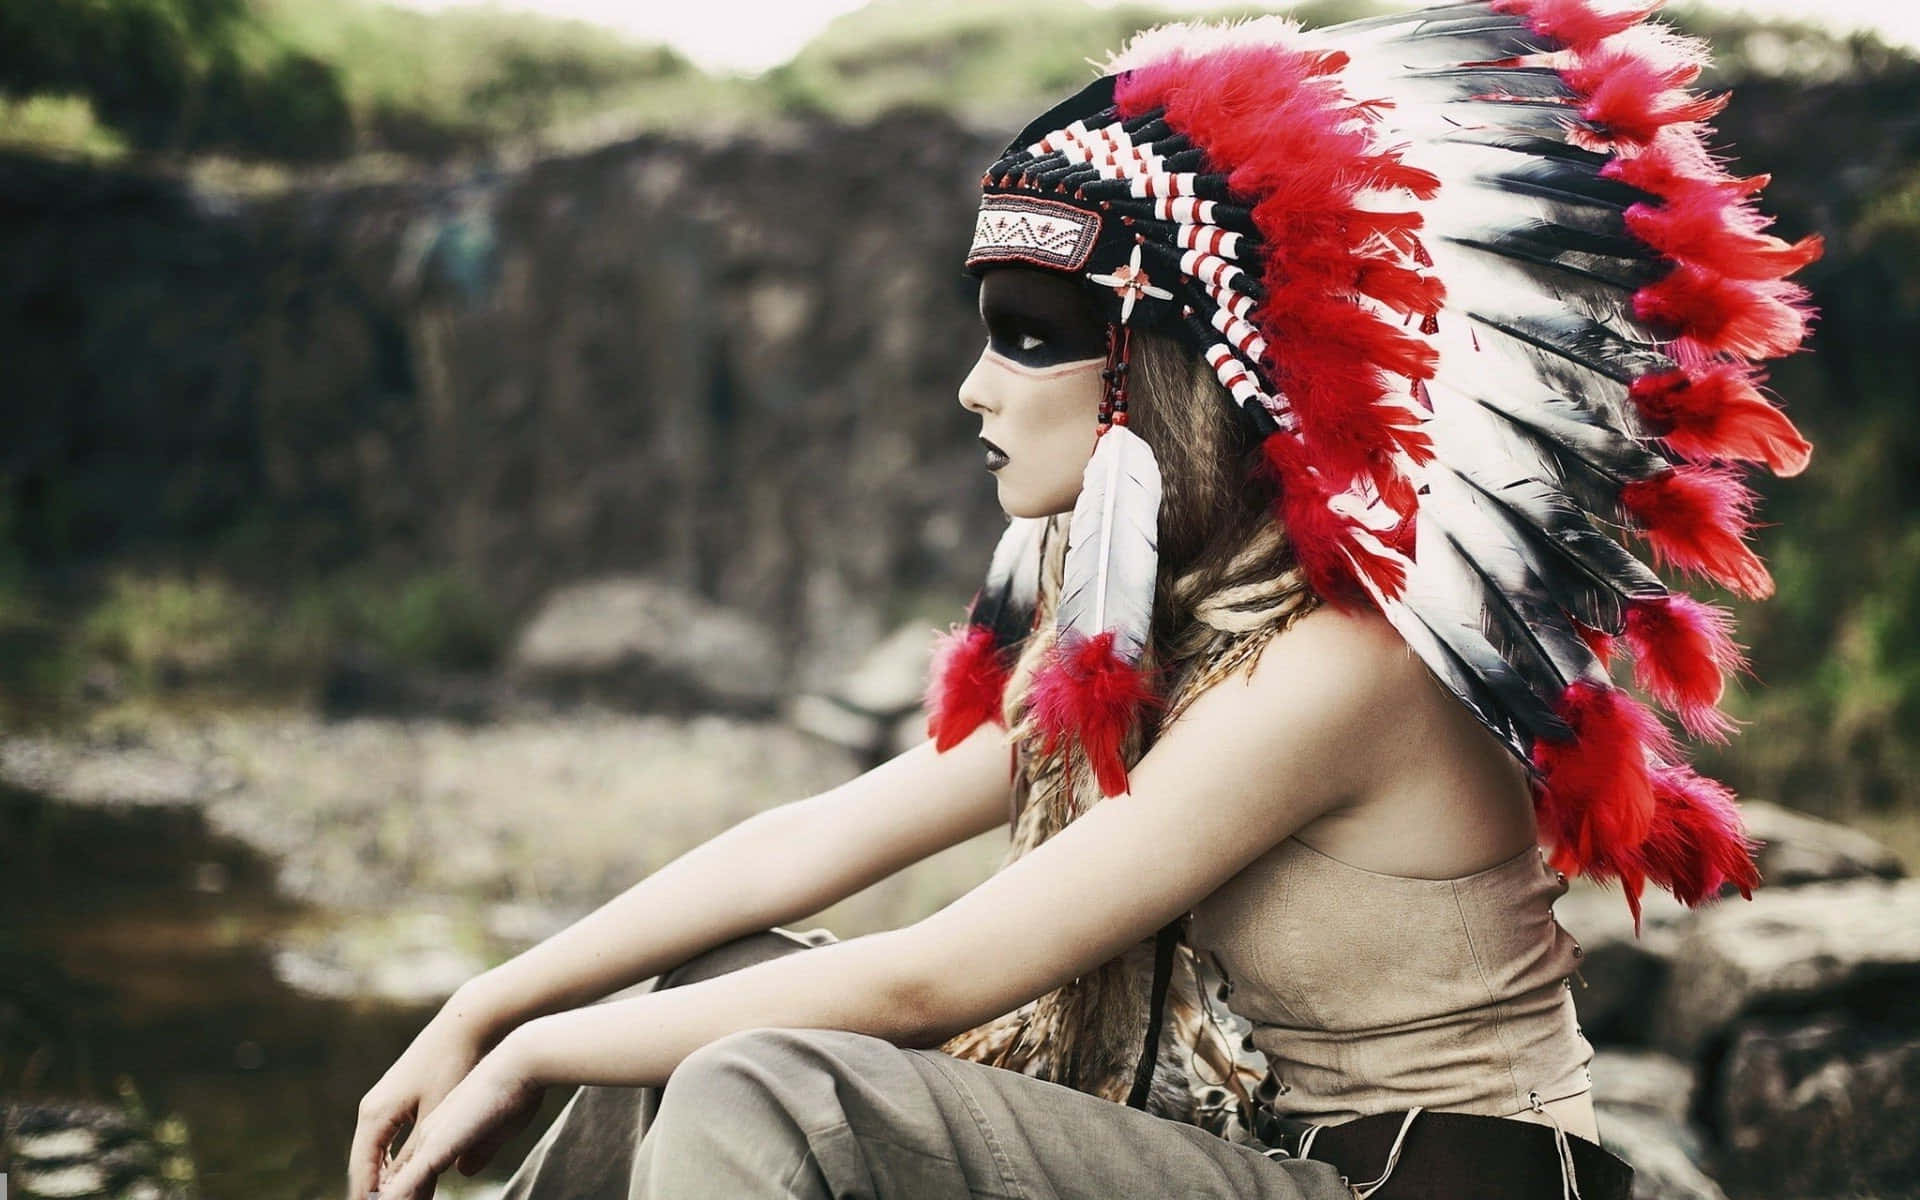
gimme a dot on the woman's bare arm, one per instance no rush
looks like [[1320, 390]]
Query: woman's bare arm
[[773, 868], [1252, 760]]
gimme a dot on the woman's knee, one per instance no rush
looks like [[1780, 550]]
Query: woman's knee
[[744, 951], [744, 1058], [792, 1075]]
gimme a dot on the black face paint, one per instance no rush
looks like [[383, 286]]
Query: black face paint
[[1040, 318]]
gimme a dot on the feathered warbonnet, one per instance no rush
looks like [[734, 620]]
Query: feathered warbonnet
[[1496, 308]]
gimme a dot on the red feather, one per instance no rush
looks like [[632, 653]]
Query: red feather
[[1705, 227], [1632, 96], [1718, 412], [1574, 22], [1324, 541], [1694, 517], [966, 684], [1677, 162], [1682, 651], [1086, 693], [1698, 843], [1713, 314], [1594, 797]]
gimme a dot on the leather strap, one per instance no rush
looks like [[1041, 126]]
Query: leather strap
[[1162, 973]]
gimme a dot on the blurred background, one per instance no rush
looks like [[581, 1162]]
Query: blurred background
[[456, 458]]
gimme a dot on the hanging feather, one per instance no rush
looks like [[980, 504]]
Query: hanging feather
[[1006, 600], [1698, 843], [1695, 518], [1682, 651], [971, 662], [1595, 801], [1719, 412], [1090, 689]]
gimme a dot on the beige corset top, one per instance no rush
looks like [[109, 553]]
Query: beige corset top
[[1372, 993]]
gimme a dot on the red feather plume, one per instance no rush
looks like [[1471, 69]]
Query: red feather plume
[[965, 686], [1084, 692], [1698, 843], [1694, 517], [1682, 651], [1594, 798], [1718, 412]]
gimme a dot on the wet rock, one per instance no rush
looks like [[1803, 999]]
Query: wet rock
[[407, 958], [54, 1149], [1821, 1107], [378, 814], [104, 771], [1845, 946], [1800, 849], [649, 646]]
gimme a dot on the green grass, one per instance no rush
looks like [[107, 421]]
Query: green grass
[[137, 636]]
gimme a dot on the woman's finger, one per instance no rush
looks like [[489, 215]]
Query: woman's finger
[[415, 1172], [371, 1136]]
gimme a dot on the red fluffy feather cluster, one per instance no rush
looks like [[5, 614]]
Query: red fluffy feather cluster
[[1281, 124], [1086, 693], [965, 686], [1616, 801]]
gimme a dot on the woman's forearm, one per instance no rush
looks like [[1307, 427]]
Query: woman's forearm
[[743, 880], [769, 870], [637, 1042]]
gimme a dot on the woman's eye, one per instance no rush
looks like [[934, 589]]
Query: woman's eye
[[1036, 341]]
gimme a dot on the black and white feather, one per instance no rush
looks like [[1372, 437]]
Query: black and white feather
[[1006, 599], [1113, 545]]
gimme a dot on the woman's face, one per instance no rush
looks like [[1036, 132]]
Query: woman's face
[[1037, 386]]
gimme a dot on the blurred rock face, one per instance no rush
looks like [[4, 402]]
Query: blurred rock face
[[731, 367]]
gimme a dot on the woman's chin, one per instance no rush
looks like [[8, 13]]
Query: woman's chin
[[1019, 502]]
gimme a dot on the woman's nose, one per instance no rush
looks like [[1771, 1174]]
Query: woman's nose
[[975, 396]]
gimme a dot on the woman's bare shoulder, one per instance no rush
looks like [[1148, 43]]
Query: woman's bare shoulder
[[1331, 683], [1355, 652]]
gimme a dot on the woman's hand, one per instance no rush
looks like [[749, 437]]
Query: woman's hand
[[496, 1100], [414, 1086]]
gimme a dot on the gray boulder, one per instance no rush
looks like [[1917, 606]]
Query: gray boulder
[[875, 710], [651, 646], [1644, 1102], [1809, 949], [1799, 849], [1827, 1107]]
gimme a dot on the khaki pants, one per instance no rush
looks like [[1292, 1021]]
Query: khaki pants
[[822, 1113]]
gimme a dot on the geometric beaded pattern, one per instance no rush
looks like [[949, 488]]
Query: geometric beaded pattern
[[1028, 229]]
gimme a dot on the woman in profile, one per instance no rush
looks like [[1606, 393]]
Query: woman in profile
[[1323, 372]]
